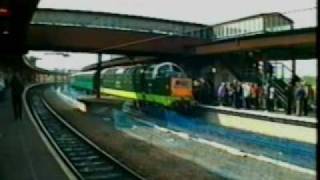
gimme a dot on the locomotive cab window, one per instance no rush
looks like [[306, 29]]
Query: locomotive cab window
[[178, 71], [164, 71]]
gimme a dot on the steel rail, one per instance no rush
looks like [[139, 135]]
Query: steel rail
[[83, 157]]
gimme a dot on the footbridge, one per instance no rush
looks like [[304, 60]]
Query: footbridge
[[296, 43], [96, 32]]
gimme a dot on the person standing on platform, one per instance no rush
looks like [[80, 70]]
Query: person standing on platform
[[226, 94], [221, 93], [289, 93], [269, 70], [261, 98], [266, 96], [205, 91], [16, 93], [246, 95], [254, 95], [309, 95], [299, 97], [196, 90], [271, 98], [238, 95], [229, 94], [233, 93]]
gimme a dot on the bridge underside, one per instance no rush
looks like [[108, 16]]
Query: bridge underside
[[97, 40], [289, 53], [298, 44]]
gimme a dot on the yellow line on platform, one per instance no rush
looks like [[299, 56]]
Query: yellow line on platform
[[287, 131]]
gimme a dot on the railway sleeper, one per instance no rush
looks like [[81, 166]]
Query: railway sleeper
[[92, 163], [67, 148], [81, 153], [105, 176], [84, 158], [96, 168]]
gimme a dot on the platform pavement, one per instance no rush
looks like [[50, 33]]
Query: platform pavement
[[219, 160], [23, 155], [271, 115]]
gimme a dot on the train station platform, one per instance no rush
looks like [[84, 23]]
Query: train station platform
[[270, 116], [23, 155], [117, 127], [297, 128], [272, 124]]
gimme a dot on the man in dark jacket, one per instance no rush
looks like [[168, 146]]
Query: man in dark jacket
[[308, 99], [16, 93], [299, 97], [289, 94]]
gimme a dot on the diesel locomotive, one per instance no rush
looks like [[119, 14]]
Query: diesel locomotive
[[164, 84]]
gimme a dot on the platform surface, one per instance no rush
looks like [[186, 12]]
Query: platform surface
[[273, 115], [23, 155], [113, 129]]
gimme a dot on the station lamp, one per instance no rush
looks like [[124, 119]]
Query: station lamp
[[4, 12]]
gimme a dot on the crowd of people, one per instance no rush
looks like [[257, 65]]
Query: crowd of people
[[248, 95], [243, 95]]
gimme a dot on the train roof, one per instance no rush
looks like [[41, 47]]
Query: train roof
[[121, 69], [83, 73], [117, 67]]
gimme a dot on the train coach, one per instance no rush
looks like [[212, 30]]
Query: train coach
[[164, 84], [83, 81]]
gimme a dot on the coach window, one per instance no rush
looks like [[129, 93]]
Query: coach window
[[149, 73]]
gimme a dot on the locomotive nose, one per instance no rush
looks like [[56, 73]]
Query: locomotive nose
[[181, 87]]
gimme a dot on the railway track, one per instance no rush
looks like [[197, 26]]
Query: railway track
[[82, 157]]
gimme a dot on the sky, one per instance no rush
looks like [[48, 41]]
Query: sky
[[200, 11]]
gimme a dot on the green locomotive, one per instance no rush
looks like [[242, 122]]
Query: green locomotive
[[165, 83]]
